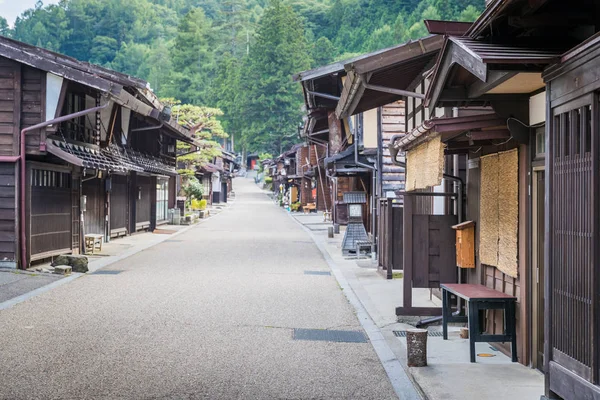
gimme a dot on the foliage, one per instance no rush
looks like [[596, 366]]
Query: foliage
[[296, 206], [269, 180], [205, 126], [199, 204], [262, 157], [273, 102], [192, 188]]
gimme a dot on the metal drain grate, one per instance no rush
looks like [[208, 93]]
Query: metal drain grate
[[429, 333], [324, 335], [317, 273], [107, 272]]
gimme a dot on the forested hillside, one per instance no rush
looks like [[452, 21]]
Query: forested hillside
[[237, 55]]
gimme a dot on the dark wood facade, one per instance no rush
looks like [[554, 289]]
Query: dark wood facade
[[572, 258], [119, 206], [78, 157]]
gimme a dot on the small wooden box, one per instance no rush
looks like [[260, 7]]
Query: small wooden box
[[465, 244]]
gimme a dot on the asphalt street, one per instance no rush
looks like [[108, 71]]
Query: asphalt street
[[209, 314]]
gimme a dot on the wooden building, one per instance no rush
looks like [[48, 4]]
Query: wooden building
[[84, 150], [525, 131], [373, 95]]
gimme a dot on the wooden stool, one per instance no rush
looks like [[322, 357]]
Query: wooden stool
[[93, 242]]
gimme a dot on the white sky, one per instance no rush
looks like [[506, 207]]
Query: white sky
[[11, 9]]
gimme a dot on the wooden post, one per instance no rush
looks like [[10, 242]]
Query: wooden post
[[416, 347]]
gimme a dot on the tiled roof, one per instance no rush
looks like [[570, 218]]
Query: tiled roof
[[355, 198], [111, 159]]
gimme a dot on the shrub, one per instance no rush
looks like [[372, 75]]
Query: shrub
[[198, 204], [296, 206], [268, 180]]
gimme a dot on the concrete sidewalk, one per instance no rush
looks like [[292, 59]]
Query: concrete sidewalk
[[450, 374]]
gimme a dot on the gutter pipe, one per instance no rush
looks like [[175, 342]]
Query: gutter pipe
[[23, 170], [147, 128]]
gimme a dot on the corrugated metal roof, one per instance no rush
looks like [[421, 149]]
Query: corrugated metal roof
[[514, 53], [355, 198]]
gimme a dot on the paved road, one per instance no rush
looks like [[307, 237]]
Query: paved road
[[208, 314]]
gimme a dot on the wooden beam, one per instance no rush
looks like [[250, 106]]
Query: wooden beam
[[495, 78], [489, 135], [398, 92]]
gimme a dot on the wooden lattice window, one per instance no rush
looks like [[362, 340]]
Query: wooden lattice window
[[573, 237]]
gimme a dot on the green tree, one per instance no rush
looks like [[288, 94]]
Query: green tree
[[205, 126], [469, 14], [381, 38], [4, 28], [323, 52], [104, 50], [272, 102], [192, 59]]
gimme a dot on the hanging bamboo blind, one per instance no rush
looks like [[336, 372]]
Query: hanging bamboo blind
[[425, 165], [500, 211]]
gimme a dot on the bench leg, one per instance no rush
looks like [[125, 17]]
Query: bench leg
[[446, 311], [510, 325], [473, 327]]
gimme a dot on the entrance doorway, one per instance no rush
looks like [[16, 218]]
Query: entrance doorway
[[538, 202]]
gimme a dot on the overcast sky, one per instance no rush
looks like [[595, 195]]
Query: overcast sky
[[11, 9]]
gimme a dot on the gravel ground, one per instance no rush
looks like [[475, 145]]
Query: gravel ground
[[210, 315], [15, 283]]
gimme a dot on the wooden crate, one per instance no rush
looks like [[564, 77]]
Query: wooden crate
[[465, 244]]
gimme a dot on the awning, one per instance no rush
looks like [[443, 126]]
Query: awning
[[346, 157], [210, 168], [380, 78], [477, 128], [110, 159], [468, 69]]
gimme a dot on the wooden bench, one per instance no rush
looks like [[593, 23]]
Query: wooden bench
[[93, 242], [480, 298], [309, 207]]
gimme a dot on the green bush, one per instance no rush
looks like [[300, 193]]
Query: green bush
[[199, 204], [193, 188], [268, 180], [296, 206]]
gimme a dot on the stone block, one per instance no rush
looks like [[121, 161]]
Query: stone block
[[416, 346], [63, 270]]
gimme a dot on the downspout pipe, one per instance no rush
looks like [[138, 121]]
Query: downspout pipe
[[23, 170]]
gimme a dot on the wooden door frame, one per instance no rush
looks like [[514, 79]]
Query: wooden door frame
[[535, 306]]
